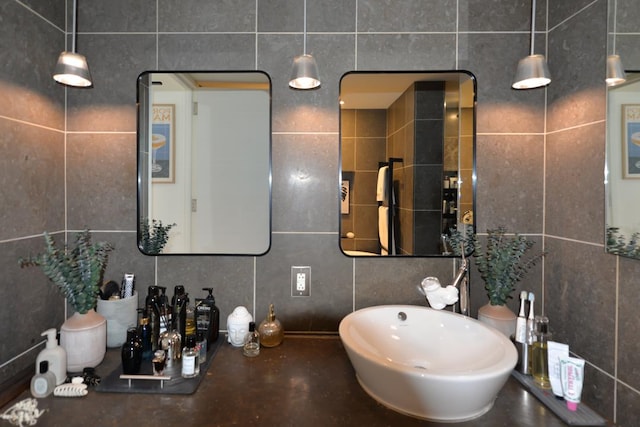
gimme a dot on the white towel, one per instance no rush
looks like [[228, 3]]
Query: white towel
[[383, 229], [381, 189]]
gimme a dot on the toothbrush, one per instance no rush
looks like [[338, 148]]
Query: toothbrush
[[521, 325], [530, 320]]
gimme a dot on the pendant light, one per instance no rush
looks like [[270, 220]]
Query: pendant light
[[532, 71], [304, 74], [615, 70], [72, 68]]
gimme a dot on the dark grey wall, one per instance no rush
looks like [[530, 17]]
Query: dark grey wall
[[540, 157]]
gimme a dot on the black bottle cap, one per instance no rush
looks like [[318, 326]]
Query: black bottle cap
[[191, 341], [44, 366], [252, 326]]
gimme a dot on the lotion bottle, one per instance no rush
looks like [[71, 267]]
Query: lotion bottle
[[54, 355]]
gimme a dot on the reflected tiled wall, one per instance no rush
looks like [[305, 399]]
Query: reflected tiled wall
[[539, 170], [363, 148]]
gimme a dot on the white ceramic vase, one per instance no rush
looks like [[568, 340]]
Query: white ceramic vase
[[84, 338], [121, 314], [500, 317]]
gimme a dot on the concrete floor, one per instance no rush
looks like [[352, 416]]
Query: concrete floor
[[307, 381]]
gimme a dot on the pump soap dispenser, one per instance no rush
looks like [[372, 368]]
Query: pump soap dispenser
[[54, 355], [270, 329]]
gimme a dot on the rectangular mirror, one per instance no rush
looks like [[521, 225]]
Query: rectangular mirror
[[407, 161], [204, 162], [622, 174]]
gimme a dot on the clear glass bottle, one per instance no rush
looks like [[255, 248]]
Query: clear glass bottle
[[539, 361], [201, 345], [190, 355], [251, 342], [270, 329]]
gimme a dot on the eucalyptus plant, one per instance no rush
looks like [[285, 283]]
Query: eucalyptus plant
[[618, 244], [154, 236], [77, 272], [500, 261]]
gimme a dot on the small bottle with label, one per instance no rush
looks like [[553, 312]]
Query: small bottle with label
[[190, 365], [252, 342], [539, 361]]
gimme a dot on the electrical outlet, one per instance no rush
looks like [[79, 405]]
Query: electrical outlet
[[300, 281]]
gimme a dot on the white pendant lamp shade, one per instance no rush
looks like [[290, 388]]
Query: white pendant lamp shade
[[532, 72], [615, 71], [72, 70], [304, 74]]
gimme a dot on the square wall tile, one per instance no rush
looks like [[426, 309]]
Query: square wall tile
[[576, 93], [628, 344], [209, 16], [580, 299], [331, 290], [115, 62], [101, 181], [574, 183], [423, 16], [305, 192], [96, 16], [510, 182], [32, 201]]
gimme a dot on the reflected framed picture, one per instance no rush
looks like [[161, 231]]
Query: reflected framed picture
[[631, 140], [163, 143], [345, 189]]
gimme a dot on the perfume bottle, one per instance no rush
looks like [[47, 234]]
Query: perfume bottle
[[131, 353], [171, 342], [251, 342], [539, 361], [270, 329], [190, 355]]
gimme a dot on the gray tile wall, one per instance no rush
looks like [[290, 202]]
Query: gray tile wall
[[539, 169]]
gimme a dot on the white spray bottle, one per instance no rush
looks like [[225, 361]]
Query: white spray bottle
[[55, 356]]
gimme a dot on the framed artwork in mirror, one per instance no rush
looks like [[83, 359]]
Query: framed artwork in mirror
[[163, 143], [631, 140]]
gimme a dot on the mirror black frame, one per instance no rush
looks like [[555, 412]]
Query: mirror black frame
[[143, 84], [617, 243], [469, 229]]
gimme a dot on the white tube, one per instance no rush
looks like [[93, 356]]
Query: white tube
[[572, 376], [555, 350]]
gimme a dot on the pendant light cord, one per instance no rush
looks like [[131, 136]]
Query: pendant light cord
[[304, 41], [73, 26], [533, 24]]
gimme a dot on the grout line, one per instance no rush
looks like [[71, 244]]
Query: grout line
[[16, 357], [615, 339], [600, 245], [568, 18], [31, 124]]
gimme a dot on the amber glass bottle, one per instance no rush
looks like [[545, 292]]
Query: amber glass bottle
[[270, 329]]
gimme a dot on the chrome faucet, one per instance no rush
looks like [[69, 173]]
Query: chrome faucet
[[458, 291]]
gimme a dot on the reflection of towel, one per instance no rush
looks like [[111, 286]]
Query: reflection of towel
[[383, 229], [381, 189]]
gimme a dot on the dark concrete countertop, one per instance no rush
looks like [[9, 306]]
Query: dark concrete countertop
[[307, 381]]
